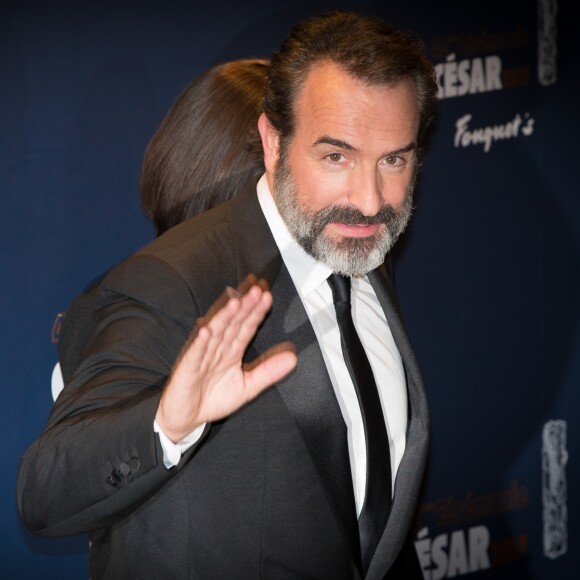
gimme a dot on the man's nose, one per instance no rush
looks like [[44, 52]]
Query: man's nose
[[366, 192]]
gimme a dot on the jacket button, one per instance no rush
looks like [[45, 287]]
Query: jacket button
[[111, 480]]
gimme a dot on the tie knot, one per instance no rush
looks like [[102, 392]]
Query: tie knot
[[340, 286]]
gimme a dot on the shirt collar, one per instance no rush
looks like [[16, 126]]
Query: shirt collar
[[306, 272]]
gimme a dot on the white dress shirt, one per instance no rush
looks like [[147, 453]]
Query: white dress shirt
[[309, 277]]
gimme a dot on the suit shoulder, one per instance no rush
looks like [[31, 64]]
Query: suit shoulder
[[192, 262], [189, 241]]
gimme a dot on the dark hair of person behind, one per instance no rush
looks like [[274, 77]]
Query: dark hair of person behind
[[366, 47], [200, 156]]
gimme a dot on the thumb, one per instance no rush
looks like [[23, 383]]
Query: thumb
[[270, 367]]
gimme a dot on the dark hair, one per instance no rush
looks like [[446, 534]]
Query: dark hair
[[200, 155], [365, 47]]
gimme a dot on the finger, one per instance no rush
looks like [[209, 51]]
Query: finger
[[232, 292], [224, 345], [220, 329], [269, 368], [191, 361], [255, 316], [263, 284], [249, 281], [246, 322], [223, 326], [229, 292], [219, 303], [214, 328], [249, 302], [243, 288], [252, 280]]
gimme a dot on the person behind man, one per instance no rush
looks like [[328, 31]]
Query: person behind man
[[199, 157], [167, 445]]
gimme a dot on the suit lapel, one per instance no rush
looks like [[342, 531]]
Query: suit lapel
[[253, 244], [411, 468], [310, 399], [307, 392]]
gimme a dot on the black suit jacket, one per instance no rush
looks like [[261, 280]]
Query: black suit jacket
[[267, 492]]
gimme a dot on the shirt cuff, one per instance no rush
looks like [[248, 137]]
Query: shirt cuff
[[172, 452]]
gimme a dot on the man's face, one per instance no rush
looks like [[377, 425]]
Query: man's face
[[344, 185]]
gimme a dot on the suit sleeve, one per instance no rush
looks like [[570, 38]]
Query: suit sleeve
[[98, 458], [76, 329]]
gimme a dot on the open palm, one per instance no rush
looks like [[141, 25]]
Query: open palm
[[209, 380]]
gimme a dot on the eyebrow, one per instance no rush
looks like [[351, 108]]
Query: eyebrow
[[327, 140]]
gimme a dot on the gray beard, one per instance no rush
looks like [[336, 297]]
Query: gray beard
[[349, 256]]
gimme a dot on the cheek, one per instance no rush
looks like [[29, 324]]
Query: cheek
[[394, 190], [317, 189]]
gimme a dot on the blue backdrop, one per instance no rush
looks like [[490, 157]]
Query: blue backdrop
[[487, 274]]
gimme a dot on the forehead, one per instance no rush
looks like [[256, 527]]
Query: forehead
[[335, 104]]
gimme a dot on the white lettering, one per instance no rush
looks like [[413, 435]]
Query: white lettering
[[450, 77], [463, 76], [439, 79], [423, 548], [528, 128], [478, 547], [455, 554], [439, 556], [477, 78], [486, 136], [460, 129], [493, 73], [457, 79]]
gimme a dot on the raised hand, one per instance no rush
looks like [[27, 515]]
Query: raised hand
[[209, 381]]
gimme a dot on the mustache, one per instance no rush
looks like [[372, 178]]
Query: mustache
[[352, 216]]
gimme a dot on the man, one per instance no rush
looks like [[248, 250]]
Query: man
[[184, 461]]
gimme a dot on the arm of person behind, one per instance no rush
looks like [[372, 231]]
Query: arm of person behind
[[98, 457]]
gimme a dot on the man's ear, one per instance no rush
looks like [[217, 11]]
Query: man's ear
[[270, 143]]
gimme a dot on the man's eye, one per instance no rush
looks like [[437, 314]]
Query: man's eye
[[394, 161], [335, 157]]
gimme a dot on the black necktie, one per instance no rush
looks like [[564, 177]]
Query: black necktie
[[377, 504]]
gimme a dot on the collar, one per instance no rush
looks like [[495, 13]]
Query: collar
[[306, 272]]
